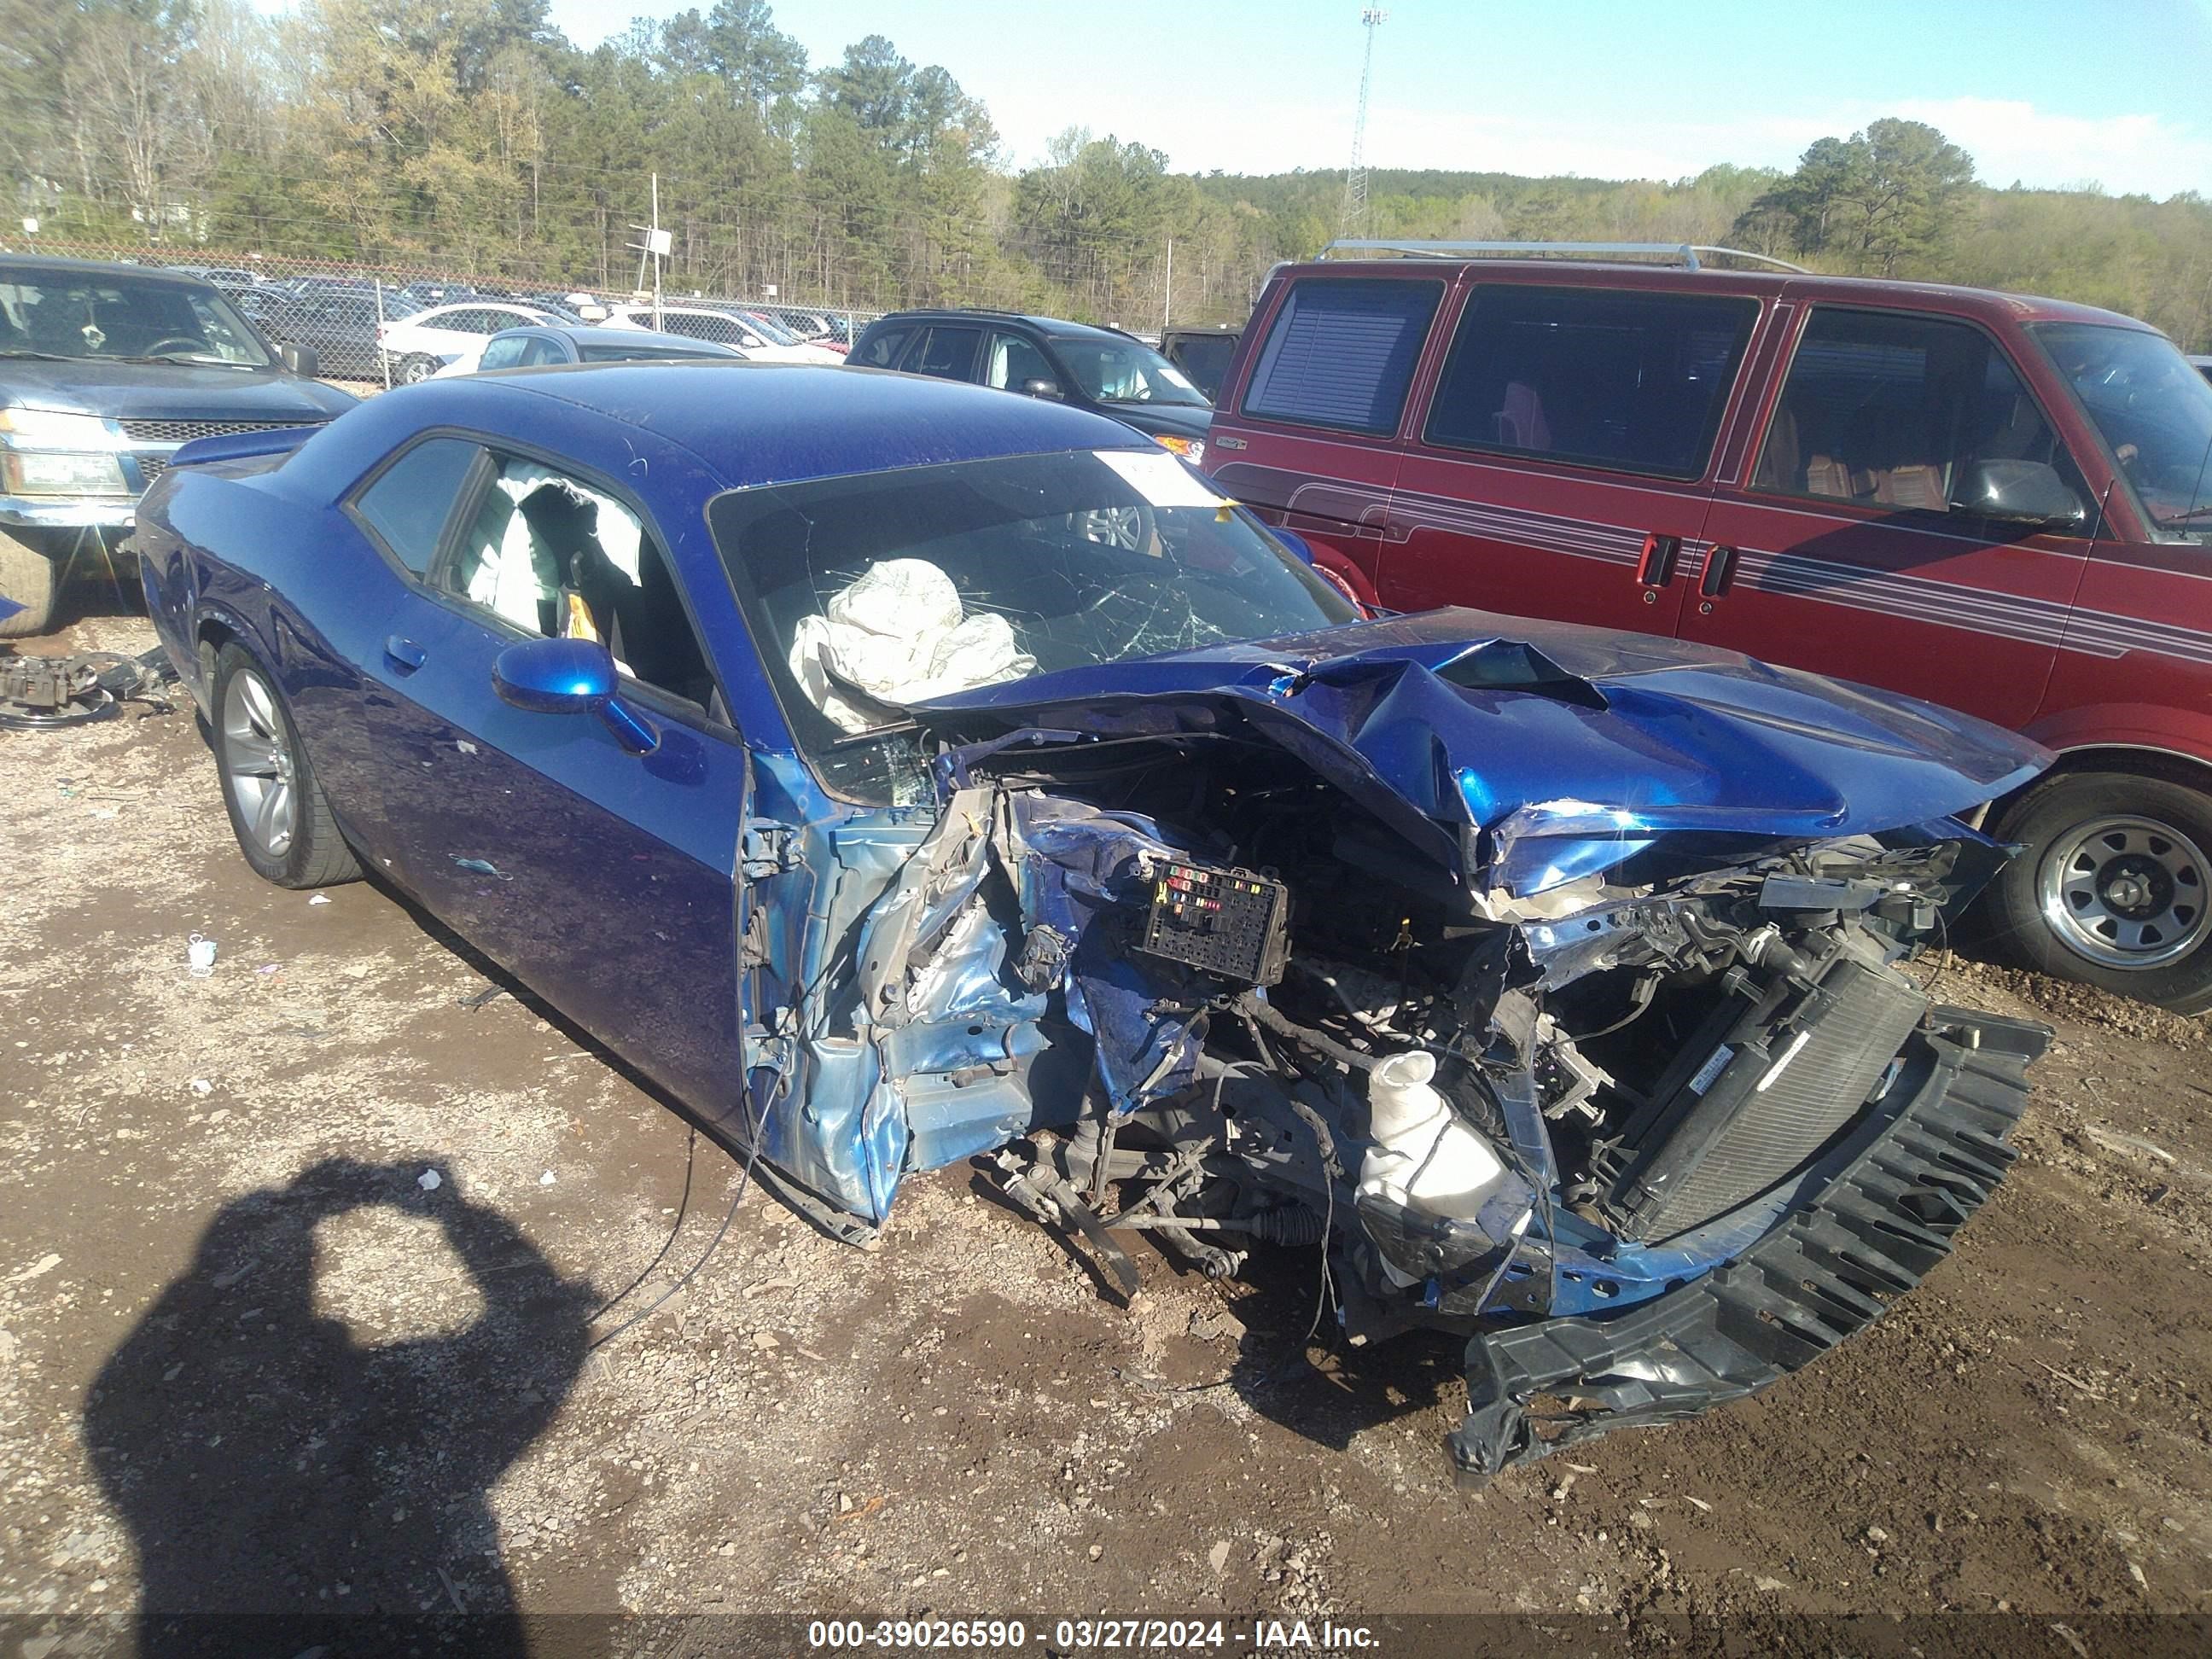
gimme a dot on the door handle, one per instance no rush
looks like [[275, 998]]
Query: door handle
[[404, 654], [1720, 567], [1655, 567]]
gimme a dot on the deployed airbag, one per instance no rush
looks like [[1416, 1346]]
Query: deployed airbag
[[899, 634]]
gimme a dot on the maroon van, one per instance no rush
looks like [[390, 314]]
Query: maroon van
[[1994, 501]]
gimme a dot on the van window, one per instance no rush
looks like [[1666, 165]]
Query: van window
[[1342, 352], [1889, 411], [1606, 377]]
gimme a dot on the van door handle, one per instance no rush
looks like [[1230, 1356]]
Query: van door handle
[[1655, 567], [1720, 567], [404, 654]]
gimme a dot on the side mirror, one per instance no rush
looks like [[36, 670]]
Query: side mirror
[[2021, 492], [1043, 389], [570, 677], [300, 360]]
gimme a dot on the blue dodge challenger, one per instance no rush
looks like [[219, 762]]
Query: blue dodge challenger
[[899, 772]]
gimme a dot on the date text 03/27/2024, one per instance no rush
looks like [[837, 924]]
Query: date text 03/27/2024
[[1088, 1635]]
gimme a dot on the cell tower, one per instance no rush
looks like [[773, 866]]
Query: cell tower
[[1355, 176]]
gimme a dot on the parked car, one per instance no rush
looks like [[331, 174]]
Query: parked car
[[780, 332], [2203, 366], [897, 772], [1203, 354], [760, 343], [225, 277], [103, 371], [343, 326], [807, 328], [1099, 369], [1997, 502], [533, 347], [418, 346]]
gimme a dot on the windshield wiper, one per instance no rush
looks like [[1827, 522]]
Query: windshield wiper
[[42, 356]]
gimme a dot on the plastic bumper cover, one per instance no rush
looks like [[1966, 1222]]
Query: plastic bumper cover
[[1906, 1179]]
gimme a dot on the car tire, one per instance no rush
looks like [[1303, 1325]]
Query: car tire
[[278, 812], [414, 369], [32, 580], [2112, 886]]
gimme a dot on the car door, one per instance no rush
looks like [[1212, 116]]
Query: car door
[[1560, 468], [946, 351], [1847, 549], [604, 878], [1314, 442], [1016, 364]]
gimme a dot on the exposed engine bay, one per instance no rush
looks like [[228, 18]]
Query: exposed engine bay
[[1648, 1113]]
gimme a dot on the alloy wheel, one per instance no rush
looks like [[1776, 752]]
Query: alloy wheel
[[257, 762]]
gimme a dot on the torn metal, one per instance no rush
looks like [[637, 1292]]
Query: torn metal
[[1555, 1001]]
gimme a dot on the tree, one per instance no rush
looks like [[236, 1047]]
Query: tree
[[1910, 192], [1889, 195]]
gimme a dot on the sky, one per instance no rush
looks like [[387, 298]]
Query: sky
[[2046, 92]]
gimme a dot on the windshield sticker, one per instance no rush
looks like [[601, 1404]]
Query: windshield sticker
[[1159, 477]]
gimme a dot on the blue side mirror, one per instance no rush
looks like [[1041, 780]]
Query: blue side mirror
[[570, 677]]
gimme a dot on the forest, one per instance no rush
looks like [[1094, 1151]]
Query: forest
[[470, 138]]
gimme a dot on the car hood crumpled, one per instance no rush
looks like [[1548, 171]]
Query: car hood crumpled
[[1569, 748]]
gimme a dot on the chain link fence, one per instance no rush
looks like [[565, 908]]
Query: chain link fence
[[373, 327]]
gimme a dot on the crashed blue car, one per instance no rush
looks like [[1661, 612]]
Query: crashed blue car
[[900, 774]]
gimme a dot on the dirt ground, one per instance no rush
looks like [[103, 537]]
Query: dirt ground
[[247, 1357]]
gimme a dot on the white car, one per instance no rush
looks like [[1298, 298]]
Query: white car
[[418, 347], [760, 343]]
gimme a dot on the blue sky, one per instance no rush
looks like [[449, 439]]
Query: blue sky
[[2053, 92]]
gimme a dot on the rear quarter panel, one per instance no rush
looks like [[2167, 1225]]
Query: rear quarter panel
[[244, 550]]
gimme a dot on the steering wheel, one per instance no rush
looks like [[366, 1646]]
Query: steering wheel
[[160, 346], [1129, 528]]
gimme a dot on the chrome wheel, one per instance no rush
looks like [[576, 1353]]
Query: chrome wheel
[[2126, 892], [257, 763]]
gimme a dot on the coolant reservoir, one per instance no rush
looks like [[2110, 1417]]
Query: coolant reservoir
[[1423, 1158]]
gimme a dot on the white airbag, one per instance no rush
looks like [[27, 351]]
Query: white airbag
[[898, 635]]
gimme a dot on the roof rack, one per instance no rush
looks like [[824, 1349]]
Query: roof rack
[[1684, 254]]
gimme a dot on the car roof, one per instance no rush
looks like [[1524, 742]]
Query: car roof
[[1843, 290], [759, 423], [584, 335], [1057, 328], [104, 267], [477, 302]]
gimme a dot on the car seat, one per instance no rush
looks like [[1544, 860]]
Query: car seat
[[1520, 422]]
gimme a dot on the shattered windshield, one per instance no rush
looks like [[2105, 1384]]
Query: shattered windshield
[[870, 593], [106, 315], [2154, 411]]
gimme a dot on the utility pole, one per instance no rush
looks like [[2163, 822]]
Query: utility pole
[[1167, 291], [1353, 219], [654, 248]]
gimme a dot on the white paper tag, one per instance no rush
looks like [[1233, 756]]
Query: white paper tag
[[1160, 479]]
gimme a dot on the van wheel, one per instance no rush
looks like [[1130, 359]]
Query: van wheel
[[2113, 885], [277, 808], [30, 578]]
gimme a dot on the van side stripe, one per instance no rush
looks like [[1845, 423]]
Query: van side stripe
[[1825, 581]]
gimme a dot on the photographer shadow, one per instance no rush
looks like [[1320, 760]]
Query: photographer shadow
[[288, 1485]]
